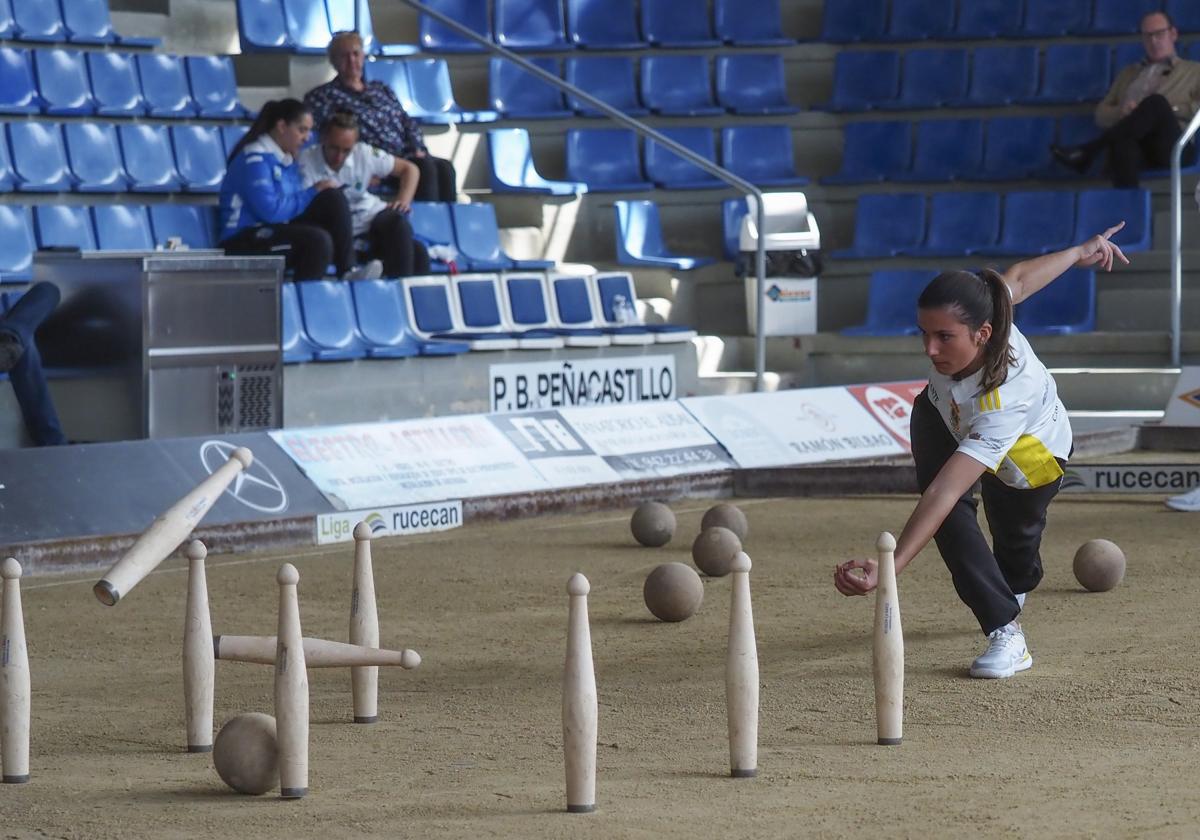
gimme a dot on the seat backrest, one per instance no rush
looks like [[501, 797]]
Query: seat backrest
[[758, 151], [989, 18], [1076, 72], [1100, 209], [948, 148], [922, 20], [1003, 74], [608, 78], [8, 26], [1068, 305], [165, 85], [16, 232], [865, 78], [750, 81], [18, 90], [529, 24], [675, 83], [328, 313], [8, 178], [846, 21], [888, 222], [733, 210], [64, 226], [429, 80], [639, 230], [511, 157], [747, 21], [38, 21], [526, 297], [213, 85], [665, 167], [437, 37], [1121, 17], [353, 15], [1038, 221], [63, 83], [876, 150], [613, 287], [380, 312], [963, 221], [191, 223], [431, 222], [146, 150], [1054, 18], [572, 301], [95, 156], [39, 156], [292, 340], [479, 301], [476, 234], [394, 74], [513, 91], [602, 24], [88, 21], [199, 156], [308, 28], [892, 299], [676, 22], [261, 25], [115, 83], [1018, 145], [430, 304], [1185, 13], [603, 156], [934, 76], [122, 227]]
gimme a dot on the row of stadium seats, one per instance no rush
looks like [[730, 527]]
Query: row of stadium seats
[[332, 321], [962, 224], [63, 81], [53, 21], [983, 77], [1068, 305], [608, 160], [848, 21], [306, 26]]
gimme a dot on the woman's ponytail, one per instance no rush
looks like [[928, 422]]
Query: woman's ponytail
[[997, 355]]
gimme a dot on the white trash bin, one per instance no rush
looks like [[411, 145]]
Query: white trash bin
[[789, 302]]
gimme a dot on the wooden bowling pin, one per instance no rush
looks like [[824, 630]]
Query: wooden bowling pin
[[167, 531], [318, 653], [14, 680], [291, 690], [741, 675], [888, 655], [199, 672], [579, 707], [364, 628]]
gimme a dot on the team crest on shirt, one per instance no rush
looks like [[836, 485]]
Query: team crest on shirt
[[277, 173], [955, 417]]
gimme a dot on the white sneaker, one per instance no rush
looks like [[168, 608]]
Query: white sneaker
[[1006, 654], [1189, 502], [372, 270]]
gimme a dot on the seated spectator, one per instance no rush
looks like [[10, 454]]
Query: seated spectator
[[1146, 110], [19, 357], [340, 158], [265, 208], [384, 122]]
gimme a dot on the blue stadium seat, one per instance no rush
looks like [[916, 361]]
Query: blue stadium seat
[[122, 227], [88, 22], [230, 135], [986, 19], [762, 154], [1074, 73], [945, 150], [39, 157], [394, 74], [619, 332], [16, 231], [1035, 223], [1075, 130], [434, 317], [192, 224], [307, 25], [512, 168], [517, 95], [873, 152], [8, 178], [1068, 305], [199, 157], [571, 302], [437, 37], [678, 85], [733, 210], [886, 224], [383, 322], [1185, 13], [892, 303], [922, 20], [213, 86], [64, 226], [527, 307], [329, 322], [18, 90], [479, 301], [677, 23], [960, 224], [1002, 75], [1121, 17], [262, 27], [752, 84], [95, 157], [609, 79], [667, 169], [433, 97], [38, 21], [1016, 148], [8, 27], [478, 239], [850, 21], [165, 86], [865, 80], [610, 287], [640, 238], [602, 25], [146, 150], [1055, 18], [1128, 53], [1102, 208], [605, 159], [355, 15], [295, 343], [749, 23], [932, 78], [432, 226], [63, 84], [530, 25], [115, 84]]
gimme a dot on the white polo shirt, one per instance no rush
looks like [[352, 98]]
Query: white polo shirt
[[1017, 430], [362, 164]]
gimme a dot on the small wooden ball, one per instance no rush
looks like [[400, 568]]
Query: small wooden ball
[[246, 753], [1099, 565], [728, 516], [673, 591], [714, 550], [653, 524]]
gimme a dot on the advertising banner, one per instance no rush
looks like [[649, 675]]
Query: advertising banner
[[555, 450], [1161, 479], [390, 521], [527, 386], [891, 404]]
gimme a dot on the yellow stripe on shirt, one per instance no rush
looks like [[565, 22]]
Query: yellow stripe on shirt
[[1033, 459], [990, 401]]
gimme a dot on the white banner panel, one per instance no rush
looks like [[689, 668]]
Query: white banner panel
[[1183, 409], [1158, 479], [558, 454], [529, 386], [390, 521], [366, 465], [803, 426], [649, 439]]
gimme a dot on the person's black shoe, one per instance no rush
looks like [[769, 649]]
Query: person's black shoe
[[1071, 157], [11, 350]]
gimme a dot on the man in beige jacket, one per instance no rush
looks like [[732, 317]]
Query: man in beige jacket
[[1145, 111]]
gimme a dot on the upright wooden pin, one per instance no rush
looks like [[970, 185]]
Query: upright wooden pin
[[14, 680], [291, 690], [888, 655], [199, 670], [579, 708], [364, 628], [741, 675]]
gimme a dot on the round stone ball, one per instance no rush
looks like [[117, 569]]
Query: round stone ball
[[653, 524], [1099, 565], [673, 591], [714, 550], [246, 754], [728, 516]]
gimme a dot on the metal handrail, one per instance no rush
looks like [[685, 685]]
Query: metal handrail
[[760, 343], [1177, 238]]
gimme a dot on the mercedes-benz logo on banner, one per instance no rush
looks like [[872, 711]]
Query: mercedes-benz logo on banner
[[256, 488]]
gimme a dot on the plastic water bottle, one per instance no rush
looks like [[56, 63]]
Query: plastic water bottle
[[623, 310]]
